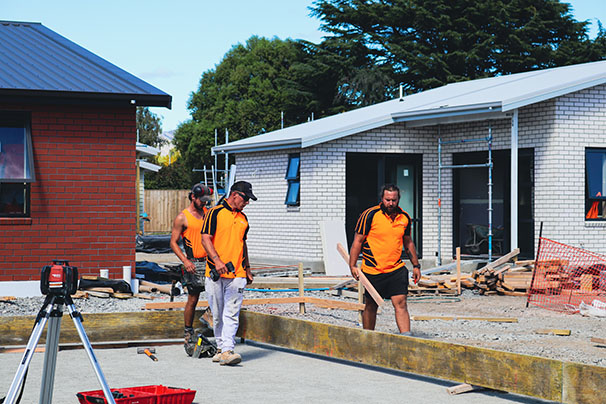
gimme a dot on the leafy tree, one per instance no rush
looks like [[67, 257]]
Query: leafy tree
[[174, 176], [428, 43], [149, 127], [247, 92]]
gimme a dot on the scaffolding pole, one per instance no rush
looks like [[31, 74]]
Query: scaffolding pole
[[488, 165]]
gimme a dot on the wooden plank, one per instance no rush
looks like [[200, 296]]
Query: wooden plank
[[330, 303], [204, 303], [371, 290], [98, 294], [460, 388], [100, 289], [553, 331], [7, 298], [466, 318], [601, 341], [524, 263], [521, 374], [500, 261], [583, 383]]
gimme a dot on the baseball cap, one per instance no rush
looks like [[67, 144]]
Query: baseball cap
[[245, 188]]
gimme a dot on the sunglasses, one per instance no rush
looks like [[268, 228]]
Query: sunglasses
[[244, 197]]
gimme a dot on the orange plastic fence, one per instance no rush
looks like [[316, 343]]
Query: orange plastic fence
[[564, 276]]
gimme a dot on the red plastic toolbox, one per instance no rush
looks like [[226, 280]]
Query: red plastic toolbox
[[165, 395], [156, 394], [97, 397]]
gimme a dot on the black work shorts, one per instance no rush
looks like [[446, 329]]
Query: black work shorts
[[194, 282], [390, 284]]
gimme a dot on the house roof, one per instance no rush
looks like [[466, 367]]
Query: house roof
[[481, 99], [37, 62]]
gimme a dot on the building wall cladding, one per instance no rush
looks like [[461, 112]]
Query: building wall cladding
[[558, 130], [83, 198]]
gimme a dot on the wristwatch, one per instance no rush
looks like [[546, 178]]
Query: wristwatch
[[417, 266]]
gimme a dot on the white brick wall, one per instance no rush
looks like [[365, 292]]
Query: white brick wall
[[558, 130]]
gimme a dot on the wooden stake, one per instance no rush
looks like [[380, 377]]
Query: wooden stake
[[360, 300], [301, 291], [458, 270], [371, 290]]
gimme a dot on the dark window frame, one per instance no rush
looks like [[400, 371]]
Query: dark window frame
[[293, 192], [13, 186], [592, 187]]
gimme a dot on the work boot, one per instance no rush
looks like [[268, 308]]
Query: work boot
[[217, 357], [190, 340], [230, 358]]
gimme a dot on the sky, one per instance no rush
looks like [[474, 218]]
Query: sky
[[170, 44]]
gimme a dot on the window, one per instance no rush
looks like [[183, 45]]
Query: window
[[16, 164], [595, 184], [292, 176]]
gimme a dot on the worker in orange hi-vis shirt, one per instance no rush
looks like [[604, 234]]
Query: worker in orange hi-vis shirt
[[381, 233], [228, 271], [188, 226]]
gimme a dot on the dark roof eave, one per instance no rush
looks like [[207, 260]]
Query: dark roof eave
[[68, 97]]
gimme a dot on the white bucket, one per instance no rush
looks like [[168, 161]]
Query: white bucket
[[126, 273], [134, 285]]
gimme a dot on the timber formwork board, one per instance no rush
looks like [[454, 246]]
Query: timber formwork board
[[522, 374]]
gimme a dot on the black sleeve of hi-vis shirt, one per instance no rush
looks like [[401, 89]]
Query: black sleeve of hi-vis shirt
[[407, 231], [365, 221], [210, 221]]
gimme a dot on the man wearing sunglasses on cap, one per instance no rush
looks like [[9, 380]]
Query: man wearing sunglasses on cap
[[224, 238]]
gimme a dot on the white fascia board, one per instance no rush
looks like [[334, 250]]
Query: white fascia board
[[453, 119], [256, 147], [347, 131], [534, 98], [146, 165], [447, 112], [147, 149]]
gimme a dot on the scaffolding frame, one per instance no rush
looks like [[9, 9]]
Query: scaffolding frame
[[488, 165]]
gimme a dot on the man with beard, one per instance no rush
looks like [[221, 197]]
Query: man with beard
[[381, 232], [228, 272], [188, 225]]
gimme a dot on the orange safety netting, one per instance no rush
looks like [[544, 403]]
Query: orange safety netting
[[564, 276]]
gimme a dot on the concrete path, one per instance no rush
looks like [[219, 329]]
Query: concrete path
[[266, 375]]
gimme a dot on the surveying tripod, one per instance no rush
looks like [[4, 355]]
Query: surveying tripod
[[52, 310]]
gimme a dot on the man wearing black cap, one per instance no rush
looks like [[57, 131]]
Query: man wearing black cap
[[224, 239], [188, 225]]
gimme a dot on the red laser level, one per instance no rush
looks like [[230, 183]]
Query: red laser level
[[59, 279]]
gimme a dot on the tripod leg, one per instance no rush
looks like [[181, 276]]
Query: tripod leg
[[91, 354], [29, 350], [50, 356]]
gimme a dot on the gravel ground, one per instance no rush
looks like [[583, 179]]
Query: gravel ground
[[520, 337]]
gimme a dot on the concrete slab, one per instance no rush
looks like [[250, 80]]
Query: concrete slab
[[266, 375]]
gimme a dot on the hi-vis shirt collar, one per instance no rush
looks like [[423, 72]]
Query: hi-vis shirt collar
[[226, 205]]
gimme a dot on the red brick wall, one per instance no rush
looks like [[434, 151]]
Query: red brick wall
[[83, 204]]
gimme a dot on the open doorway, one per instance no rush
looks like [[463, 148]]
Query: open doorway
[[470, 202], [366, 173]]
